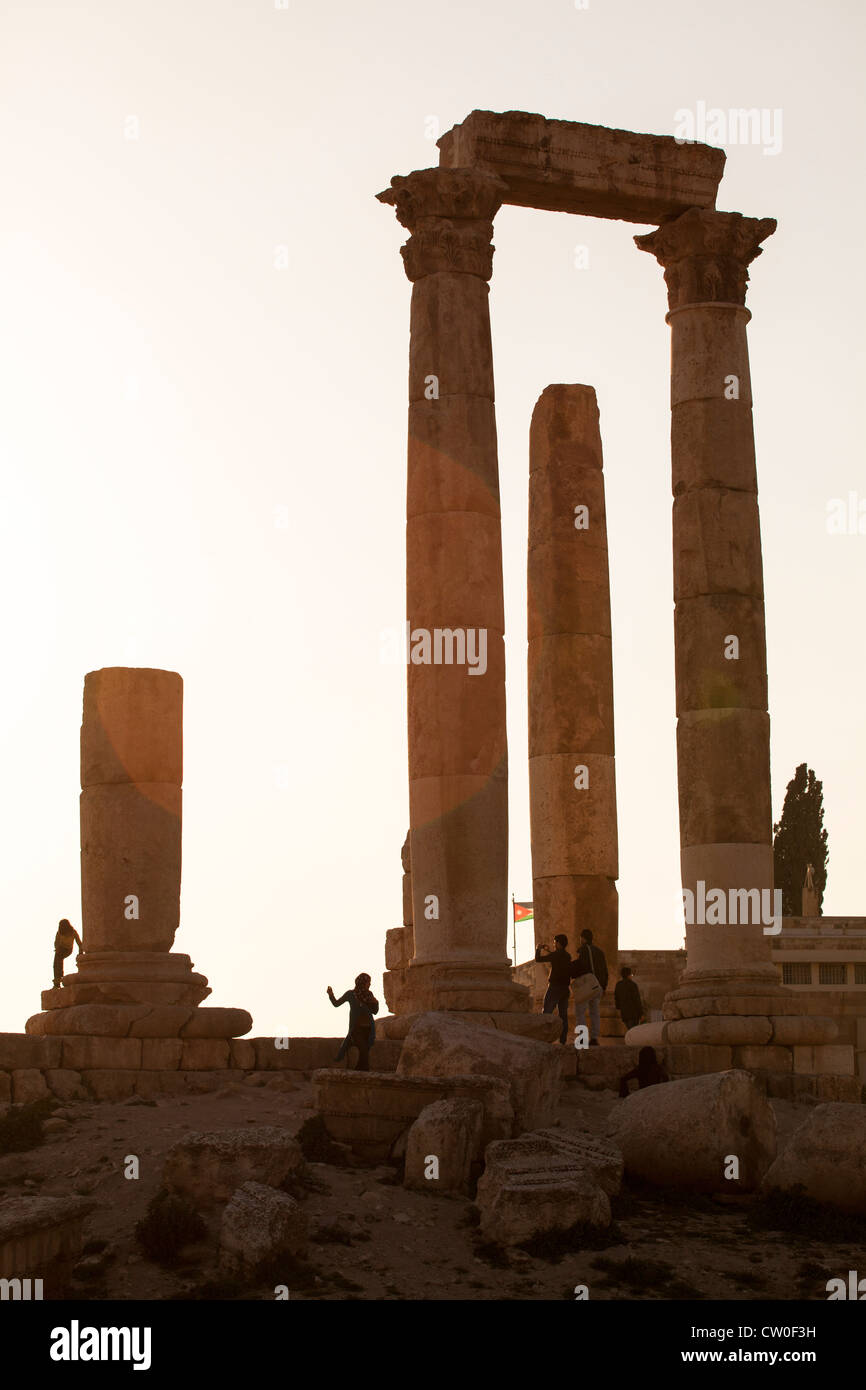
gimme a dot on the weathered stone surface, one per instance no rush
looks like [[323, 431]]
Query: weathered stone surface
[[157, 1083], [204, 1054], [722, 798], [596, 1154], [131, 843], [440, 594], [450, 713], [161, 1054], [713, 444], [117, 1054], [798, 1031], [733, 1030], [105, 1084], [90, 1020], [573, 828], [450, 337], [242, 1053], [165, 1021], [705, 677], [767, 1058], [441, 1046], [208, 1167], [568, 166], [535, 1184], [453, 443], [34, 1231], [65, 1084], [132, 726], [20, 1051], [827, 1156], [712, 1116], [564, 902], [260, 1224], [370, 1110], [448, 1131], [689, 1059], [214, 1022], [28, 1085], [5, 1087], [571, 694], [835, 1059]]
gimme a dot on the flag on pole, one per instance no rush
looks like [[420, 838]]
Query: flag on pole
[[523, 912]]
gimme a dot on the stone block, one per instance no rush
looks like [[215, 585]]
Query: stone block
[[764, 1058], [712, 1117], [452, 447], [573, 829], [573, 602], [535, 1184], [149, 1084], [164, 1021], [259, 1224], [554, 493], [5, 1087], [457, 718], [90, 1021], [242, 1054], [65, 1084], [28, 1085], [733, 1030], [131, 843], [690, 1059], [454, 577], [724, 778], [87, 1054], [717, 544], [849, 1089], [208, 1167], [20, 1051], [713, 445], [161, 1054], [199, 1083], [834, 1059], [105, 1084], [565, 900], [791, 1031], [204, 1054], [217, 1023], [702, 338], [826, 1157], [569, 166], [450, 337], [705, 677], [36, 1231], [439, 1045], [448, 1132], [570, 695], [132, 726]]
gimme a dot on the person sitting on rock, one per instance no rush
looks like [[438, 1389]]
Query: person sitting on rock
[[559, 980], [648, 1072], [627, 998], [64, 944], [362, 1027]]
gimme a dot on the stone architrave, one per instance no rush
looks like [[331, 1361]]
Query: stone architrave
[[455, 630], [723, 727], [572, 787], [131, 822]]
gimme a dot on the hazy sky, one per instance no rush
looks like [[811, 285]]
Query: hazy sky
[[203, 431]]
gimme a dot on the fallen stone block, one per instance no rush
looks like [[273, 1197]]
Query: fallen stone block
[[601, 1158], [539, 1200], [65, 1084], [442, 1145], [28, 1085], [260, 1224], [370, 1110], [827, 1157], [199, 1083], [681, 1134], [35, 1231], [441, 1045], [208, 1167]]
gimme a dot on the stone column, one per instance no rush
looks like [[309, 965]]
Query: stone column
[[723, 727], [131, 822], [455, 630], [572, 788]]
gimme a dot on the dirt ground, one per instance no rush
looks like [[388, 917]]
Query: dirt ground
[[371, 1239]]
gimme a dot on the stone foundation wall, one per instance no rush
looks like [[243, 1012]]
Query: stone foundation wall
[[81, 1068]]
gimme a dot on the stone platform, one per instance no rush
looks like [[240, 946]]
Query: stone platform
[[541, 1027]]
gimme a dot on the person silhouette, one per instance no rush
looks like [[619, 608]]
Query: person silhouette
[[362, 1027], [64, 944]]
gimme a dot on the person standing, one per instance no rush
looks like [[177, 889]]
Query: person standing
[[64, 944], [558, 981], [627, 998], [589, 971], [362, 1027]]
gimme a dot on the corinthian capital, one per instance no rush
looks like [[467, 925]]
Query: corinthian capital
[[705, 254], [450, 215]]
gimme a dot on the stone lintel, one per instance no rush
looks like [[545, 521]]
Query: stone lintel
[[567, 166]]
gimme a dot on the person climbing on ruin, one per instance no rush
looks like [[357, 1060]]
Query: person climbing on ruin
[[589, 973], [627, 998], [64, 945], [362, 1027], [558, 981], [648, 1072]]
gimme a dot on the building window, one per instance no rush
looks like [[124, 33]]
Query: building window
[[831, 974], [860, 974], [795, 973]]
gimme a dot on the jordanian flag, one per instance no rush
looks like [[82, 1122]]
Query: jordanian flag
[[523, 912]]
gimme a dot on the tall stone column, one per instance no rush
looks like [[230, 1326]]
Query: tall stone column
[[572, 787], [455, 631], [723, 727]]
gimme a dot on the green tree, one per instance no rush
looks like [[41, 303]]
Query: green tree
[[799, 840]]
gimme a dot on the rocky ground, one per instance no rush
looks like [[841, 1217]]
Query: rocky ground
[[371, 1239]]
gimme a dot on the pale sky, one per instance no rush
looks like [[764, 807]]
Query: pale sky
[[203, 454]]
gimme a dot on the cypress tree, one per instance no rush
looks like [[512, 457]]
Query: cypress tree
[[799, 840]]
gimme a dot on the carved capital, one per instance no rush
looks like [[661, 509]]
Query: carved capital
[[705, 255], [450, 215]]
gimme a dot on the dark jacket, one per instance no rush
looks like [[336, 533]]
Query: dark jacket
[[627, 999], [358, 1013], [590, 961], [560, 966]]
